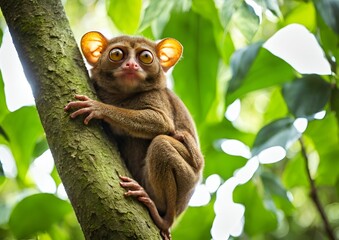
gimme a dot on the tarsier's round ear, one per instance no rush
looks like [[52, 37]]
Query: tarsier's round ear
[[92, 46], [169, 51]]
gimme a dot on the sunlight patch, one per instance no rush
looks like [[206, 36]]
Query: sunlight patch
[[297, 46], [200, 197], [272, 155]]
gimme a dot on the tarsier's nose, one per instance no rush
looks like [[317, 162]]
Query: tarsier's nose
[[131, 65]]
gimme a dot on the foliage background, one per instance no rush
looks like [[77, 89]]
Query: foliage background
[[259, 192]]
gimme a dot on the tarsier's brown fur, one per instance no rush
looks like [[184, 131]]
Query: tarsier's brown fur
[[154, 131]]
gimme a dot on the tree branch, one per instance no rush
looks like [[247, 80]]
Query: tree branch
[[314, 193], [87, 162]]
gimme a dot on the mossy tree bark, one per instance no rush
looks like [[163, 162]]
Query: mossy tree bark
[[87, 162]]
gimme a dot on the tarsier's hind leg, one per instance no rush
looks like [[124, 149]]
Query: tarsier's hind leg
[[169, 177], [169, 180]]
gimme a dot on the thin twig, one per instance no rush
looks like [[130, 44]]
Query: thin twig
[[314, 193]]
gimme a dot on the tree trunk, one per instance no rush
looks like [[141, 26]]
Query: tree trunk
[[87, 162]]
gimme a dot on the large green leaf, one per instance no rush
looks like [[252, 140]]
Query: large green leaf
[[37, 213], [2, 174], [187, 227], [217, 161], [246, 21], [258, 219], [40, 147], [303, 14], [24, 131], [273, 6], [3, 106], [273, 185], [1, 36], [307, 95], [328, 10], [278, 133], [125, 14], [265, 71], [154, 10], [227, 10], [276, 196], [276, 107], [294, 174], [324, 134], [196, 74], [241, 62], [207, 9], [157, 15], [240, 15], [329, 41], [335, 103]]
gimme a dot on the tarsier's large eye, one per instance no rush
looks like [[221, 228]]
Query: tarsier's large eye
[[146, 57], [116, 54]]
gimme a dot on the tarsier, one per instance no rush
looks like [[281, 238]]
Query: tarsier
[[154, 131]]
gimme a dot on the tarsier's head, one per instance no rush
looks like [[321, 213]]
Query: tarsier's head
[[129, 64]]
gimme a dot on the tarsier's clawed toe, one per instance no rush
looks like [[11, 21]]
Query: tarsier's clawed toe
[[166, 235], [133, 188]]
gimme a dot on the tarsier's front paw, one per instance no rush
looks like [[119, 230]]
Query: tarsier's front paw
[[86, 105]]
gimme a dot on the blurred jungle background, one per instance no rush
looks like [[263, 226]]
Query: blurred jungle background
[[260, 78]]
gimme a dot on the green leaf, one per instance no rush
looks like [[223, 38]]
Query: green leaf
[[193, 215], [155, 10], [2, 174], [55, 176], [276, 107], [1, 35], [37, 213], [329, 41], [195, 75], [273, 185], [3, 106], [328, 10], [265, 71], [40, 147], [276, 196], [307, 95], [217, 161], [278, 133], [303, 14], [125, 14], [324, 134], [335, 103], [273, 6], [258, 219], [3, 137], [241, 62], [24, 130], [207, 9], [294, 174], [241, 15], [227, 10], [2, 180], [246, 21]]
